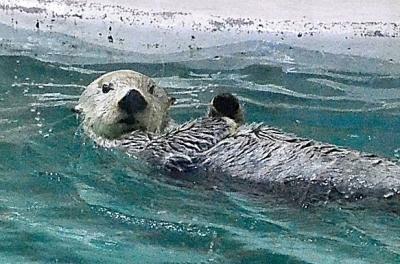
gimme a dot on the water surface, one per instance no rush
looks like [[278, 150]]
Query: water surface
[[62, 199]]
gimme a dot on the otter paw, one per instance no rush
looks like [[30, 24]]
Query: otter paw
[[226, 105]]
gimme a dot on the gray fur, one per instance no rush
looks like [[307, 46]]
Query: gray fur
[[269, 159]]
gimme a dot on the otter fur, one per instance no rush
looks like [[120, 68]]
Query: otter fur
[[257, 155]]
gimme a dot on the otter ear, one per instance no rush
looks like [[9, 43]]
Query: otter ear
[[171, 100], [77, 109]]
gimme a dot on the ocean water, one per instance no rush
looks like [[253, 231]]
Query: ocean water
[[64, 200]]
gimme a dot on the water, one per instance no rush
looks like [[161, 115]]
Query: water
[[62, 199]]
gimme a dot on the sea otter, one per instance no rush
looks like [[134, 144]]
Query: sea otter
[[264, 158]]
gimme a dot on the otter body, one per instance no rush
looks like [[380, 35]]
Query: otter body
[[301, 168], [268, 159]]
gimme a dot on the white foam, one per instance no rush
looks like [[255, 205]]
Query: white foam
[[153, 27], [41, 85]]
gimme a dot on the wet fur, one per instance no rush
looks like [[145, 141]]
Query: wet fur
[[268, 160]]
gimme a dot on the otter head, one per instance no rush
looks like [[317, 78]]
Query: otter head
[[226, 105], [123, 101]]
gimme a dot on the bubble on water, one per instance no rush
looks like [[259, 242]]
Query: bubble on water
[[397, 153], [388, 195]]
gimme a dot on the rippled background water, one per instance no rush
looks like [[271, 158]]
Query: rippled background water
[[64, 200]]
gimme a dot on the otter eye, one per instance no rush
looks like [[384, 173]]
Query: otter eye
[[151, 89], [107, 87]]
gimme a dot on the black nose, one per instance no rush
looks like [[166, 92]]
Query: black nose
[[226, 104], [132, 102]]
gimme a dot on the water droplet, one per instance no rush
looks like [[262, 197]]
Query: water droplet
[[388, 195]]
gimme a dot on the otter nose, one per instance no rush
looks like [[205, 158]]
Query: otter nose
[[132, 102]]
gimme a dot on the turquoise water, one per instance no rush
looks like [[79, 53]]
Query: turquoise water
[[62, 199]]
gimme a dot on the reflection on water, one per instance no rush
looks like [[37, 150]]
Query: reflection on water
[[63, 199]]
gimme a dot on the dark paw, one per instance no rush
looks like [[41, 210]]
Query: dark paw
[[226, 105]]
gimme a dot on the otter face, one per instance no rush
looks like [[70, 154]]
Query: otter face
[[123, 101]]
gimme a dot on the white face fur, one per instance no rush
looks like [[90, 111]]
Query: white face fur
[[102, 112]]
